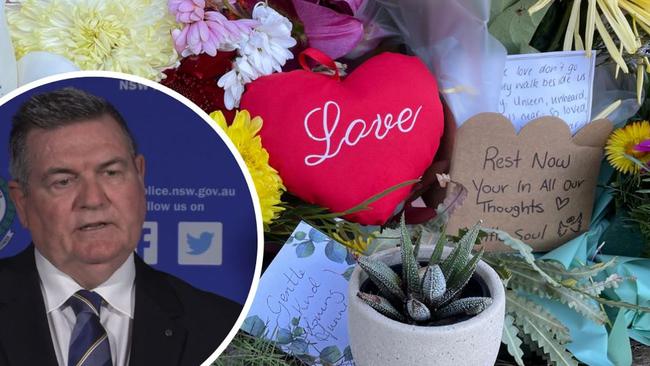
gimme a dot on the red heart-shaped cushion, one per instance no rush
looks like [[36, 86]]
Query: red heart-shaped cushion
[[337, 143]]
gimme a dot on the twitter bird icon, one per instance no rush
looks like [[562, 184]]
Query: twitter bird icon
[[201, 244]]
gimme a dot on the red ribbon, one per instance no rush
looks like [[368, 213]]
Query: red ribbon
[[321, 58]]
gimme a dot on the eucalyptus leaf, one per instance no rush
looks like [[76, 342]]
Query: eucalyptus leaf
[[330, 354], [347, 354], [316, 236], [284, 336], [305, 249], [335, 252], [298, 347], [348, 273], [254, 326]]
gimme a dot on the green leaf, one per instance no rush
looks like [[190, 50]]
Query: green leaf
[[433, 284], [348, 273], [458, 257], [295, 321], [284, 336], [298, 331], [330, 354], [579, 303], [410, 265], [462, 277], [347, 354], [316, 236], [595, 288], [466, 305], [254, 326], [525, 308], [300, 235], [581, 272], [436, 255], [365, 205], [514, 27], [298, 347], [349, 258], [389, 283], [305, 249], [555, 351], [510, 338], [417, 310], [524, 249], [382, 305], [335, 252]]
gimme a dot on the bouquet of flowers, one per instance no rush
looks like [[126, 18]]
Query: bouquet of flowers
[[211, 50]]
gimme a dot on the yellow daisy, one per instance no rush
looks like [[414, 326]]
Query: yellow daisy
[[623, 141], [243, 134], [114, 35]]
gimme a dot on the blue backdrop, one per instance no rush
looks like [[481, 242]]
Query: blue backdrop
[[200, 223]]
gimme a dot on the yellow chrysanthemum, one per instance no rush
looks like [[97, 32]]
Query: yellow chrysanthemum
[[243, 134], [115, 35], [623, 141]]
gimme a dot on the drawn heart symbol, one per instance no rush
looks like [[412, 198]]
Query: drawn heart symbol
[[561, 202], [337, 142]]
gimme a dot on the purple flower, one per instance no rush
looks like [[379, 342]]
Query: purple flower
[[187, 11], [334, 32], [644, 146]]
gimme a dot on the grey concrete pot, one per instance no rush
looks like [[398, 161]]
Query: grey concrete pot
[[376, 340]]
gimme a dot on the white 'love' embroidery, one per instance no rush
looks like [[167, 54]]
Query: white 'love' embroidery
[[331, 114]]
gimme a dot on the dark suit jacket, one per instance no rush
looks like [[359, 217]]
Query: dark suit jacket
[[173, 322]]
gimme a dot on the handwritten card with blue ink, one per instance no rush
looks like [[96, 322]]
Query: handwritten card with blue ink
[[301, 302], [548, 84]]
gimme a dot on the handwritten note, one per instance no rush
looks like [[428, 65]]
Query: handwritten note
[[555, 84], [538, 185], [301, 302], [8, 73]]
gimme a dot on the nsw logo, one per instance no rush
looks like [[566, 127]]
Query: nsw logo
[[7, 214], [200, 243]]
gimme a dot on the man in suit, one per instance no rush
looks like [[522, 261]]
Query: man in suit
[[79, 295]]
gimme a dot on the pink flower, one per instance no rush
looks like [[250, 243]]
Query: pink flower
[[187, 11], [335, 32], [213, 32], [644, 146]]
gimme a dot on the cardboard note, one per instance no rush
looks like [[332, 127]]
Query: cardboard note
[[555, 84], [301, 302], [537, 185], [8, 76]]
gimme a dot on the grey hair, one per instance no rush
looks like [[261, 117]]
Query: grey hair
[[51, 110]]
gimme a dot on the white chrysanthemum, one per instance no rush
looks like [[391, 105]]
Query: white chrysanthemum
[[233, 81], [116, 35], [263, 51], [268, 45]]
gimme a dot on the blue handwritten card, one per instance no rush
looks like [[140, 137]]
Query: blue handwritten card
[[301, 302]]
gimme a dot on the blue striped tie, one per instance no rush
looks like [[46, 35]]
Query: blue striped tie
[[89, 342]]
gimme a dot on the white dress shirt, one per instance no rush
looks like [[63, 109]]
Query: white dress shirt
[[116, 314]]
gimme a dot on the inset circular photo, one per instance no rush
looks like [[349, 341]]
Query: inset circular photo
[[130, 231]]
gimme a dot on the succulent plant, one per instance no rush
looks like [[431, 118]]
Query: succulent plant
[[424, 295]]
